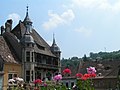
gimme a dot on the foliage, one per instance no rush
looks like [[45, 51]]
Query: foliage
[[115, 55], [85, 85], [84, 82], [85, 58], [72, 63]]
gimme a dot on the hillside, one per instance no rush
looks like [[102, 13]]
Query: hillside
[[115, 55], [73, 63]]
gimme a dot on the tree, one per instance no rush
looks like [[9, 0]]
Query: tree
[[85, 58]]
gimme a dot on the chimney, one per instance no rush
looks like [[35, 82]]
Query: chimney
[[8, 25], [2, 30]]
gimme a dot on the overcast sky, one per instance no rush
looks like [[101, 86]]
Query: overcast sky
[[80, 26]]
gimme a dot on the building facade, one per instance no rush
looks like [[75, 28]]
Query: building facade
[[31, 53]]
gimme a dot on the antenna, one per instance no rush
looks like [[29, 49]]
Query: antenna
[[105, 49]]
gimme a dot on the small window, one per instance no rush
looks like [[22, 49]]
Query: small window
[[32, 56], [15, 75], [27, 56], [32, 45], [32, 75], [107, 68], [40, 47], [27, 76], [67, 84], [28, 44], [10, 76], [72, 84]]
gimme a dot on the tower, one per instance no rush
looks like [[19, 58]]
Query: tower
[[28, 59], [56, 51]]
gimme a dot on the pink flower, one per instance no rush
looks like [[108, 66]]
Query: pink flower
[[57, 77], [91, 70], [66, 71], [45, 84]]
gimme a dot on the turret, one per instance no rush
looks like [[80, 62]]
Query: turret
[[27, 38], [55, 49], [27, 22], [28, 43]]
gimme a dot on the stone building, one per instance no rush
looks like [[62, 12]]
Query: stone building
[[28, 50]]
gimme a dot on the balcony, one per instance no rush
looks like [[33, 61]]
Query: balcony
[[47, 66]]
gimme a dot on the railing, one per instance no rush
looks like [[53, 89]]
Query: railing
[[46, 66]]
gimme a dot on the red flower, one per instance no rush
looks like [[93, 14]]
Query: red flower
[[79, 75], [84, 78], [38, 81], [87, 75], [66, 71], [93, 75]]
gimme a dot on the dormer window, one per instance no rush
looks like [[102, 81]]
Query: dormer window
[[107, 68], [40, 47], [28, 44]]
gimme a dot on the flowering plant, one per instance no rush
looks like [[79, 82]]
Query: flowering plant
[[16, 83], [57, 77], [84, 81], [37, 82], [67, 71], [91, 70]]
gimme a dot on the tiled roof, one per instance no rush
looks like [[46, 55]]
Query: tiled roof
[[14, 44], [37, 38], [5, 52], [104, 68]]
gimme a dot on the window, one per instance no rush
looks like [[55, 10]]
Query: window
[[107, 67], [27, 76], [11, 75], [72, 84], [67, 84], [28, 44], [27, 56], [39, 58], [40, 47], [32, 56], [32, 75], [38, 75], [48, 60], [32, 45], [1, 65], [15, 75]]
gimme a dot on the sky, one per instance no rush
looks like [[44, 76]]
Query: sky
[[80, 26]]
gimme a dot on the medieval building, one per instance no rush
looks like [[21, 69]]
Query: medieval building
[[27, 52]]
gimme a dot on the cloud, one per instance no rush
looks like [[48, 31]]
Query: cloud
[[84, 31], [98, 4], [56, 20], [14, 16]]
